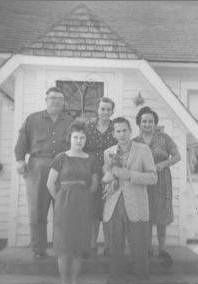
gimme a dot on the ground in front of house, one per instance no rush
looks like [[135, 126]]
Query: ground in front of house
[[96, 279], [17, 266]]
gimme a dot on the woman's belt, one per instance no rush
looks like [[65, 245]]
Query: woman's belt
[[64, 188], [70, 182]]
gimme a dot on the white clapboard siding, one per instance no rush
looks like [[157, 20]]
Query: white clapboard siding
[[6, 136], [172, 127], [33, 100], [123, 88], [35, 83]]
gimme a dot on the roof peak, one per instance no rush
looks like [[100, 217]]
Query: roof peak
[[81, 34], [81, 7]]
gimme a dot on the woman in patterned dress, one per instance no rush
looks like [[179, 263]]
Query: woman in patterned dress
[[165, 154], [72, 179], [99, 138]]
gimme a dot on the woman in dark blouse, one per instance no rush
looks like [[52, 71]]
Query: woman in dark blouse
[[99, 138], [165, 154], [72, 179]]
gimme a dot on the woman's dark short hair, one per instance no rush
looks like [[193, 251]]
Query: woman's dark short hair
[[78, 125], [106, 100], [54, 89], [121, 119], [146, 110]]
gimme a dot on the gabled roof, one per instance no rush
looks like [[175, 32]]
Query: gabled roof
[[82, 34], [159, 30]]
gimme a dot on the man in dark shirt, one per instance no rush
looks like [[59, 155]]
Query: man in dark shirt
[[42, 136]]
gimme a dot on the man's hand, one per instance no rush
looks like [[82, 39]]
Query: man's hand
[[108, 191], [21, 167], [121, 173], [116, 171]]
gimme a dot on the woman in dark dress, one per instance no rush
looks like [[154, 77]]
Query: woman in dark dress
[[165, 154], [72, 179], [99, 138]]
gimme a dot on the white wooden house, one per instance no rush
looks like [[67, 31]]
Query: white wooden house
[[83, 47]]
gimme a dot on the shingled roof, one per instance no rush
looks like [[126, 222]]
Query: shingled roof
[[160, 30], [82, 34]]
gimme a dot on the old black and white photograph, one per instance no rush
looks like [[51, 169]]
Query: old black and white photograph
[[98, 142]]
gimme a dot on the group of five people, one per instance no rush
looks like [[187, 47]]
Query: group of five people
[[96, 172]]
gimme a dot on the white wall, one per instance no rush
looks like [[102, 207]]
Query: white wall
[[180, 79], [6, 137], [31, 84], [132, 85]]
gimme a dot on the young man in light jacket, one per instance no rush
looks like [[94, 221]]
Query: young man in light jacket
[[128, 169]]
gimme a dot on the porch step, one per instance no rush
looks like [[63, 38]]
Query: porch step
[[20, 261], [92, 279]]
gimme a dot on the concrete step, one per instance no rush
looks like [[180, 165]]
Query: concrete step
[[93, 279], [20, 261]]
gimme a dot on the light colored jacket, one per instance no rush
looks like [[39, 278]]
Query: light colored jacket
[[142, 172]]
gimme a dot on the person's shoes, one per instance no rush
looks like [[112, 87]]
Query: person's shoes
[[94, 252], [165, 258], [85, 255], [150, 253], [141, 277], [40, 255], [116, 280], [106, 252]]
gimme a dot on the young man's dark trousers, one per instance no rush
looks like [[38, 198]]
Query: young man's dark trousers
[[121, 227]]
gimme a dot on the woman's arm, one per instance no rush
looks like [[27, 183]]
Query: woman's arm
[[94, 183], [172, 160], [174, 155], [51, 182]]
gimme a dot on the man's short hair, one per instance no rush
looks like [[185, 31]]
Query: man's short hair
[[121, 119], [106, 100], [54, 89]]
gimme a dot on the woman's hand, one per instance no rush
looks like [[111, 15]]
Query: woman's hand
[[108, 177], [53, 194], [160, 166]]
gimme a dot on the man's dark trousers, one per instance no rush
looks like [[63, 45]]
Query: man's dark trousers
[[39, 200]]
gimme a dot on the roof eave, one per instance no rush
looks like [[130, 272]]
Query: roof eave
[[176, 105], [183, 64]]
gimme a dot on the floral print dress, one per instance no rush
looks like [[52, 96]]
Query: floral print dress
[[160, 195]]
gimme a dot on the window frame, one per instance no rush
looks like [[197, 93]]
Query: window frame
[[185, 87]]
